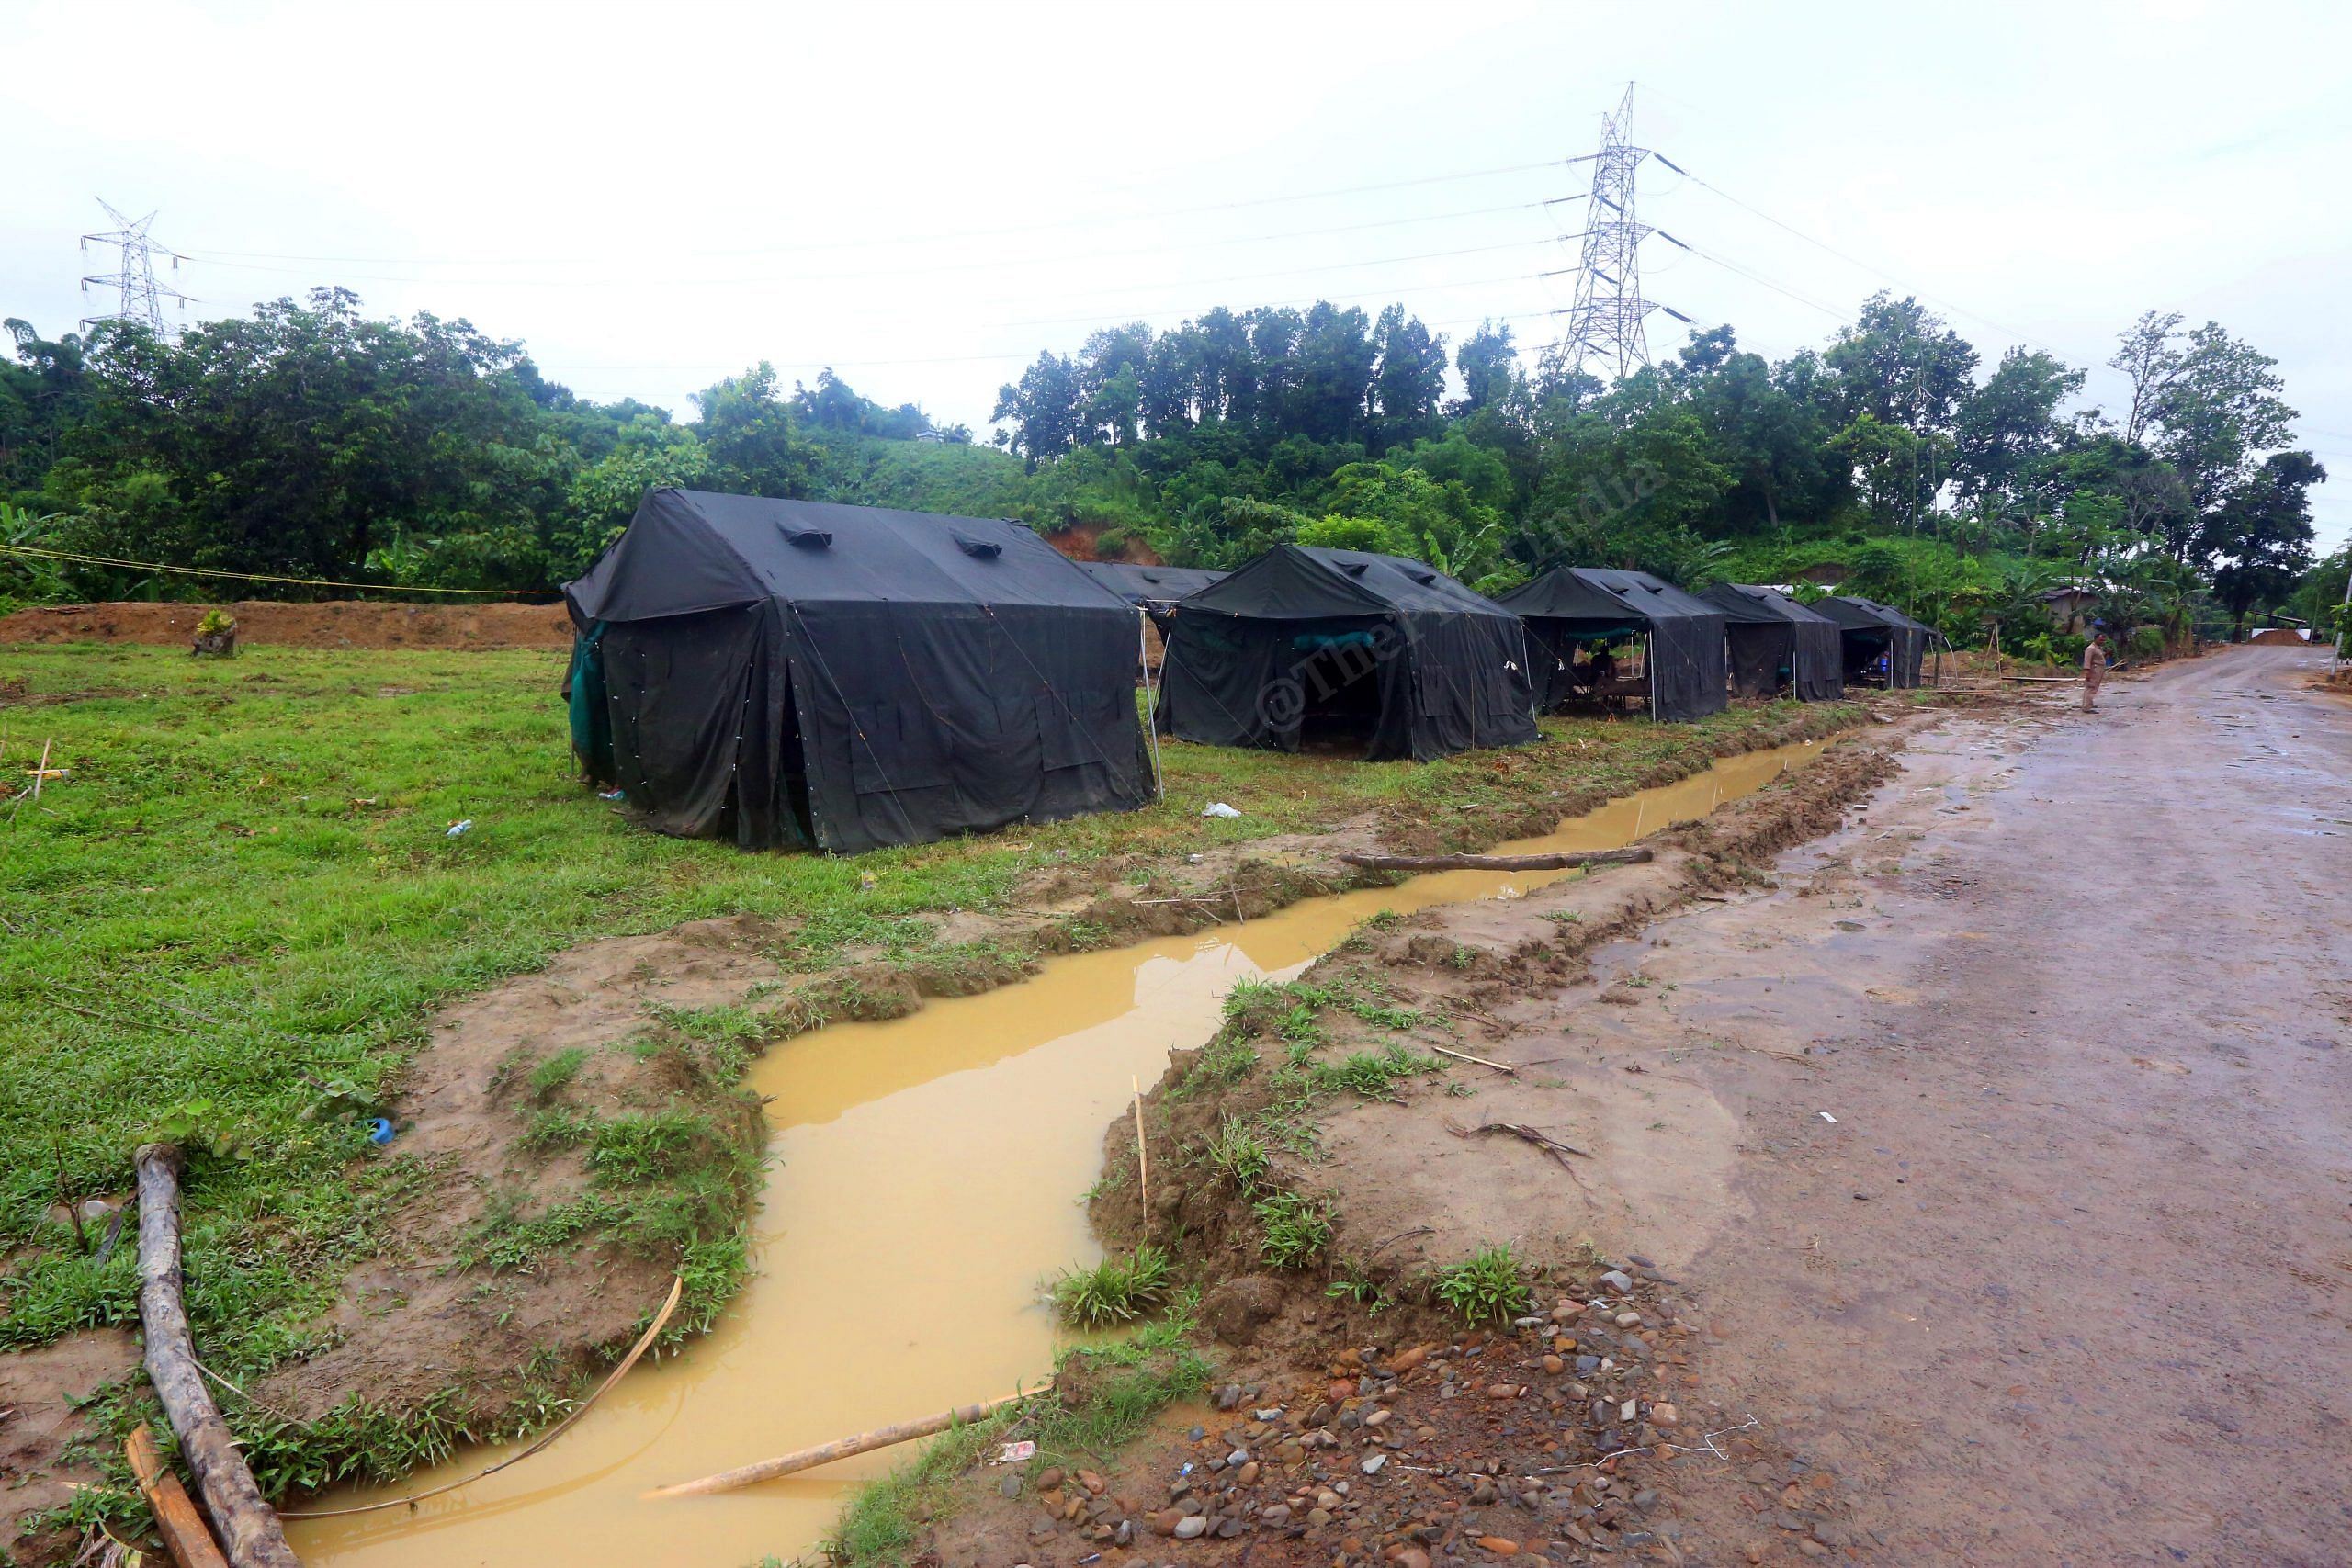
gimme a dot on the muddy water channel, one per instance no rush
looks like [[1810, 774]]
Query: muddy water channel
[[925, 1179]]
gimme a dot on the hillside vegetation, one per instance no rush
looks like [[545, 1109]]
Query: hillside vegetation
[[309, 440]]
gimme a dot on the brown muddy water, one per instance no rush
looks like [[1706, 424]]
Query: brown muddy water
[[926, 1179]]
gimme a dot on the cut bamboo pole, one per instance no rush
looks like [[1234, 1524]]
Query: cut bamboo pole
[[1466, 1056], [1499, 862], [249, 1534], [1143, 1162], [825, 1453], [177, 1519]]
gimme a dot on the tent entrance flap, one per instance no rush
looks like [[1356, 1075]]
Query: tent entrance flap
[[1343, 686]]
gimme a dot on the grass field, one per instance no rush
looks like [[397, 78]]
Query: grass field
[[231, 919]]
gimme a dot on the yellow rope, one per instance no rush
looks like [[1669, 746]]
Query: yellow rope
[[261, 577]]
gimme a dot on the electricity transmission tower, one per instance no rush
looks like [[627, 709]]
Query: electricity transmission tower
[[1605, 322], [142, 297]]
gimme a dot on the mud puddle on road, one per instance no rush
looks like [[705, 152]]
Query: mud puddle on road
[[925, 1179]]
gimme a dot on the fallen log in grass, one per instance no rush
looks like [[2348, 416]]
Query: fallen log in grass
[[825, 1453], [248, 1528], [1499, 862]]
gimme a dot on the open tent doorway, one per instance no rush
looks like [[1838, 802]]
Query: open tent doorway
[[1682, 676]]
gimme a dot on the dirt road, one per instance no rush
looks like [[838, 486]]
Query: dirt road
[[2068, 1279]]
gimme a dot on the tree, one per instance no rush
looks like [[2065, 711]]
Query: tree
[[754, 437], [2260, 537], [1410, 383], [1490, 374], [1900, 363], [2149, 360], [296, 440], [2217, 411], [2008, 425], [42, 397], [1044, 408]]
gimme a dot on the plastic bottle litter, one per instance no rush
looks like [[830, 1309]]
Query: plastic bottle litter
[[1218, 808], [458, 828], [379, 1131], [612, 795]]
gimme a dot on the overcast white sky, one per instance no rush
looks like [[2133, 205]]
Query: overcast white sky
[[924, 195]]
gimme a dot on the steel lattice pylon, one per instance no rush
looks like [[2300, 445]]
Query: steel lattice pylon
[[1605, 322], [142, 297]]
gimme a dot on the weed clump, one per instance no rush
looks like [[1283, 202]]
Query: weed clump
[[1117, 1289], [1374, 1075], [1294, 1230], [1484, 1286]]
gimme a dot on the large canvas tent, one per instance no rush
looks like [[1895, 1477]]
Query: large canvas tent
[[1305, 646], [1868, 630], [1572, 605], [1156, 590], [1777, 645], [793, 672]]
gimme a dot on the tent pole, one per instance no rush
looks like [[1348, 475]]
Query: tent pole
[[1150, 700], [1650, 658]]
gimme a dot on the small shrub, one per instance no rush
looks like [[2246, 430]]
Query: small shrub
[[1483, 1288], [1117, 1289], [1354, 1284], [1295, 1229], [1224, 1061], [1374, 1075], [557, 1071], [1238, 1153]]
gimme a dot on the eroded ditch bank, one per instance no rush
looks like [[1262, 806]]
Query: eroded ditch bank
[[922, 1184]]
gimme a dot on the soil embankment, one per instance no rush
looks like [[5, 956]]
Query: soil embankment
[[341, 623], [1948, 1129], [1559, 1434]]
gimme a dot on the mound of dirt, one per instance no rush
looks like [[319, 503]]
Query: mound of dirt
[[337, 623]]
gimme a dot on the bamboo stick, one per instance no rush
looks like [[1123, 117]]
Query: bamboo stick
[[825, 1453], [1466, 1056], [1143, 1161], [177, 1519]]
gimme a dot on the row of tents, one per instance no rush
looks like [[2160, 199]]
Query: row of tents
[[789, 673]]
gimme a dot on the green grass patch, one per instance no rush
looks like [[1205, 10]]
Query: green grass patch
[[1484, 1287], [1117, 1289], [245, 895], [1293, 1230], [1374, 1075], [1114, 1391], [557, 1071], [1238, 1153]]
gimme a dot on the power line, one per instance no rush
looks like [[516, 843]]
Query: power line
[[1057, 226], [1879, 272], [142, 297]]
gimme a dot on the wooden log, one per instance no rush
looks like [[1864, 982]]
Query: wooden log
[[825, 1453], [1499, 862], [177, 1519], [248, 1530]]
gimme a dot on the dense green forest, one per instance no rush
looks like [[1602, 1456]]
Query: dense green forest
[[310, 440]]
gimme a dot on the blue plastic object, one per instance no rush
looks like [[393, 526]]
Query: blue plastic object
[[379, 1131]]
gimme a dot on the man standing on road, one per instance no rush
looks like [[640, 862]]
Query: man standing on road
[[2094, 669]]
